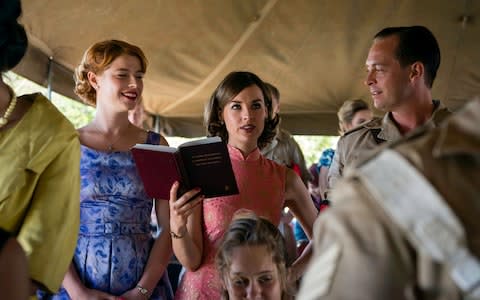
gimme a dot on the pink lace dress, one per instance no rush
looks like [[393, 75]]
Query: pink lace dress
[[262, 187]]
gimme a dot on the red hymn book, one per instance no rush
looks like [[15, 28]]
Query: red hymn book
[[203, 163]]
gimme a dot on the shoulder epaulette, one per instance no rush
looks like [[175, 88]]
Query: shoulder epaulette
[[372, 124]]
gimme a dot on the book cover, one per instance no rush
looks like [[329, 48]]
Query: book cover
[[203, 163]]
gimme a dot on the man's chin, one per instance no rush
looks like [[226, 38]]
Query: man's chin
[[380, 105]]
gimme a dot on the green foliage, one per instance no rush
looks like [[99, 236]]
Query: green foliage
[[313, 145], [78, 113]]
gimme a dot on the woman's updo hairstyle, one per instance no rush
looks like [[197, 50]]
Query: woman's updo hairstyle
[[96, 59]]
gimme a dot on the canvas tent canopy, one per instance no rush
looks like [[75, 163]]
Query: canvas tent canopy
[[313, 51]]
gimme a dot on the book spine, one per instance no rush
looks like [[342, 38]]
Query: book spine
[[185, 184]]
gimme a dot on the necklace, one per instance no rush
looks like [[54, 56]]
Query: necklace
[[110, 144], [8, 112]]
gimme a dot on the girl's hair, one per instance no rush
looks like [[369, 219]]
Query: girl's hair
[[247, 229], [230, 87], [96, 59], [13, 38], [347, 112]]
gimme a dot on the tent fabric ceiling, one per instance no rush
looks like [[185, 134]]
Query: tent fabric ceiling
[[313, 51]]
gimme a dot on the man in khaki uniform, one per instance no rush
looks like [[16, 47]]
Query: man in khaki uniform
[[401, 67], [413, 235]]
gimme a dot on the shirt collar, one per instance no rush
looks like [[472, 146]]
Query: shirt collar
[[389, 130], [236, 154]]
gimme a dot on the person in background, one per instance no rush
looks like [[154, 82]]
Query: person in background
[[240, 112], [401, 67], [313, 185], [352, 114], [405, 223], [252, 260], [323, 167], [14, 281], [283, 149], [317, 190], [39, 175], [116, 254]]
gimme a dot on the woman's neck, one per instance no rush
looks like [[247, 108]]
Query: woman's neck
[[111, 123], [244, 149]]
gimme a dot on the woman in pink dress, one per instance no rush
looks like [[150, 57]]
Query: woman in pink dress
[[239, 111]]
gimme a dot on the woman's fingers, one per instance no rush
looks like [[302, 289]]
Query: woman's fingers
[[185, 198], [183, 206], [187, 208], [173, 191]]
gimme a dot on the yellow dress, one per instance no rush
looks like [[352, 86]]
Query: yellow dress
[[40, 189]]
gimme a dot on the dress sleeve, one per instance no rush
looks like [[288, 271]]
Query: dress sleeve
[[50, 229]]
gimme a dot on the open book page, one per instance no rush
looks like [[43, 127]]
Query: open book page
[[160, 148], [208, 140]]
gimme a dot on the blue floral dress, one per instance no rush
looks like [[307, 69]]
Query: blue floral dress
[[115, 237]]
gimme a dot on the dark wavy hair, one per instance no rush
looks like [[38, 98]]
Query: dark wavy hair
[[247, 229], [415, 43], [13, 38], [230, 87]]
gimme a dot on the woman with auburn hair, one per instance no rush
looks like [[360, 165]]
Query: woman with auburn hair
[[240, 112], [116, 255]]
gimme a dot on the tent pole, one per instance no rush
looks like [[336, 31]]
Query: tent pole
[[49, 78], [156, 123]]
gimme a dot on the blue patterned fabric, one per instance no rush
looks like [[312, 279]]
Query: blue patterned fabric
[[115, 238], [326, 158]]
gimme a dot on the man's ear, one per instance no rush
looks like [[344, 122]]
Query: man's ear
[[417, 71], [92, 79]]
